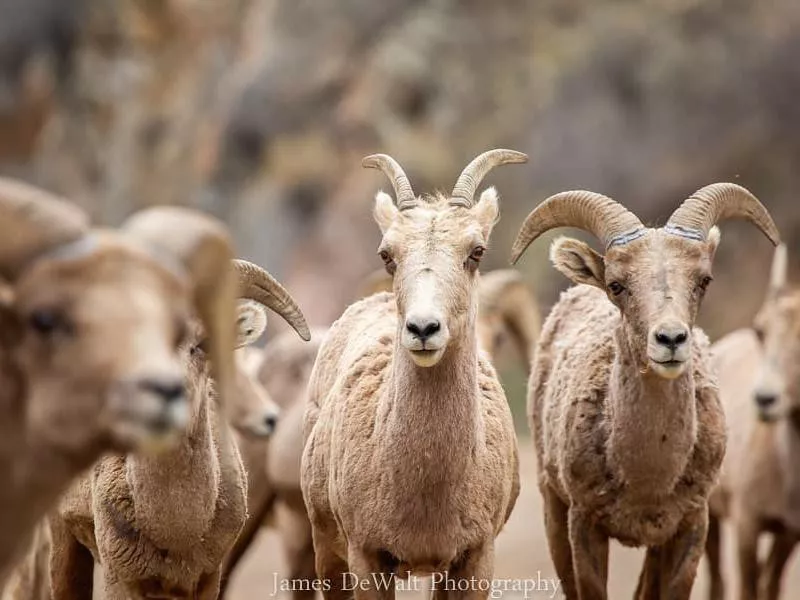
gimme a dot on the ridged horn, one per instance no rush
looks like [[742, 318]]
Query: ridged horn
[[606, 219], [467, 184], [404, 195], [33, 222], [202, 246], [713, 203], [257, 284]]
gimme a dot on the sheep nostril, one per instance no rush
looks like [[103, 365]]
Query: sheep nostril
[[270, 422], [765, 400], [423, 328], [672, 339]]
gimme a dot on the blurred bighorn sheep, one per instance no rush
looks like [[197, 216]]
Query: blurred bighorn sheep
[[624, 409], [89, 334], [410, 462], [162, 526], [759, 489]]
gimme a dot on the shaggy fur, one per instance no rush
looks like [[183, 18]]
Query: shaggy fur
[[162, 526], [626, 450], [410, 462], [760, 487]]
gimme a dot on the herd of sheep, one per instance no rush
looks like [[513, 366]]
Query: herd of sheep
[[386, 445]]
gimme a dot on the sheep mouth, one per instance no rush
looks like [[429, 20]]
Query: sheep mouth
[[427, 357], [668, 369]]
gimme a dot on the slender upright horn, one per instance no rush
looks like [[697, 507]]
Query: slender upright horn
[[32, 222], [780, 268], [202, 245], [606, 219], [472, 175], [707, 206], [257, 284], [404, 195]]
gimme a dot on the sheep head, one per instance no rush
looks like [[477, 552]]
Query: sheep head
[[656, 277], [432, 247], [777, 326], [251, 411], [94, 319]]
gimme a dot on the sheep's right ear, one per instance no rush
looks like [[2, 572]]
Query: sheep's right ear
[[385, 211], [578, 262], [251, 322]]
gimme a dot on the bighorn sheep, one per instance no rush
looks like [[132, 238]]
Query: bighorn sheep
[[759, 488], [162, 526], [88, 344], [410, 460], [624, 409]]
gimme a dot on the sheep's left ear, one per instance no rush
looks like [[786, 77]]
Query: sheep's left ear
[[487, 210], [251, 321], [712, 242]]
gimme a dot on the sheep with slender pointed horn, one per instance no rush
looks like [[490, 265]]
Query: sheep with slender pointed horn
[[759, 489], [410, 461], [622, 401], [89, 339]]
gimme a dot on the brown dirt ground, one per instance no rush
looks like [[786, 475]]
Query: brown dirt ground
[[521, 553]]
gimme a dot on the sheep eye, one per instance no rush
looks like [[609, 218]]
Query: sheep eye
[[47, 322], [199, 348], [705, 282], [475, 257], [388, 261], [616, 288], [759, 331]]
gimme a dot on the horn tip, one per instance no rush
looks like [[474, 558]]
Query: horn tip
[[372, 161]]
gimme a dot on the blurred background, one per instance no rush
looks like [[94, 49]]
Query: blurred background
[[259, 111]]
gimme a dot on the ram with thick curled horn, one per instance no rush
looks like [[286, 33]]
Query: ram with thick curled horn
[[90, 331], [622, 401]]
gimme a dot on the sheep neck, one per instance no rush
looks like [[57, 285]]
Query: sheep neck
[[432, 414], [653, 424], [789, 452], [177, 491]]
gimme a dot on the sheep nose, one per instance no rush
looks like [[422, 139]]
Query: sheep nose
[[765, 400], [271, 422], [423, 328], [171, 390], [672, 336]]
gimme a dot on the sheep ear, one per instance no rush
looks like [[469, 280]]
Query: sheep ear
[[385, 211], [714, 236], [487, 210], [578, 262], [251, 321]]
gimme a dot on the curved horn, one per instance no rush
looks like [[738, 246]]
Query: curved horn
[[202, 246], [472, 175], [257, 284], [716, 202], [609, 221], [780, 268], [404, 195], [33, 221]]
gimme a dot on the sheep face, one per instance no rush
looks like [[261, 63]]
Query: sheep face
[[94, 338], [252, 412], [433, 251], [657, 281], [777, 389]]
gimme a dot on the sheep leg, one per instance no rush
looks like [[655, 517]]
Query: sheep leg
[[71, 564], [299, 551], [473, 569], [714, 554], [589, 556], [371, 573], [556, 522], [209, 585], [747, 532], [331, 570], [649, 586], [782, 546], [681, 555]]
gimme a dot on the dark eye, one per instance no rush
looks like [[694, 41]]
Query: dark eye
[[759, 331], [388, 261], [199, 349], [705, 282], [475, 257], [47, 322], [616, 288]]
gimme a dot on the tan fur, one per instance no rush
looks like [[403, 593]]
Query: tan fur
[[410, 467], [30, 578], [626, 449], [162, 526], [760, 486], [58, 393]]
